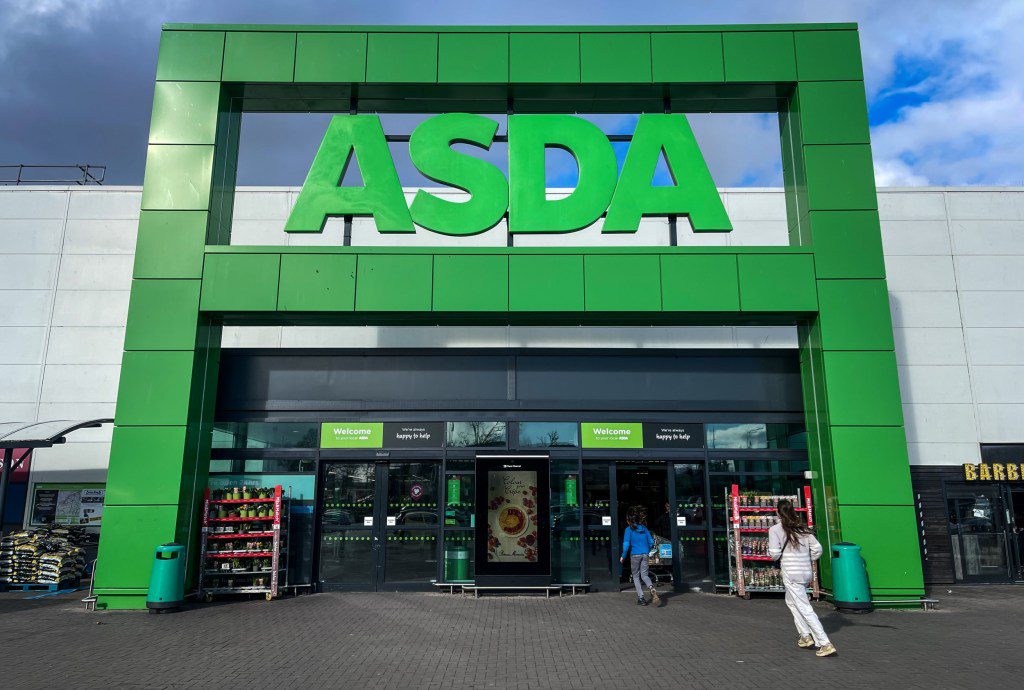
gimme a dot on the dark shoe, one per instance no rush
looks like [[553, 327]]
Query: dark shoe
[[640, 601]]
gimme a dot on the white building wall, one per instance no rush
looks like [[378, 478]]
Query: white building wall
[[954, 258]]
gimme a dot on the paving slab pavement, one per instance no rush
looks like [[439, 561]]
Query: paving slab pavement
[[428, 640]]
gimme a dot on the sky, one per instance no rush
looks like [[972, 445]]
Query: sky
[[944, 79]]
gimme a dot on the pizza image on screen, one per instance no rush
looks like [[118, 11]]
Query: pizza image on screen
[[512, 516]]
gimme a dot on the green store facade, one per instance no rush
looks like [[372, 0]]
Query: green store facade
[[602, 429]]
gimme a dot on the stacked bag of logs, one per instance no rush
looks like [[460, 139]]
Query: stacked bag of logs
[[46, 556]]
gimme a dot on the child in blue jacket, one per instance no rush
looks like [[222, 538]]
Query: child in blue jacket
[[636, 544]]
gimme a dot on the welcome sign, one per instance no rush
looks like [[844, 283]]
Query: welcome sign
[[626, 197]]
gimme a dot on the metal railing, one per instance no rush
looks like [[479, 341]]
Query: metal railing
[[83, 174]]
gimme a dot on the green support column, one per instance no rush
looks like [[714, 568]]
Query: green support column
[[160, 449], [856, 439]]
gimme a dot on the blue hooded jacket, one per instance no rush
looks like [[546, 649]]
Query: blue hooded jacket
[[637, 542]]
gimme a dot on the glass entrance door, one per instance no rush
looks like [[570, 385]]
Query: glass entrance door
[[378, 525], [977, 530]]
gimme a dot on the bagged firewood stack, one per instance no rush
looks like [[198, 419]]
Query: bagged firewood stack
[[49, 555]]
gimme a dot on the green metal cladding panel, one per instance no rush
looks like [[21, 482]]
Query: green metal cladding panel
[[317, 282], [162, 315], [694, 58], [472, 58], [833, 286], [255, 56], [401, 57], [708, 282], [545, 283], [190, 56], [240, 282], [625, 283], [855, 315], [759, 56], [330, 57], [544, 58], [130, 537], [889, 544], [470, 283], [170, 244], [872, 466], [395, 283], [770, 282], [146, 465], [613, 57]]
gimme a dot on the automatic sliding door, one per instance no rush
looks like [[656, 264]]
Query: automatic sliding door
[[348, 542], [411, 524]]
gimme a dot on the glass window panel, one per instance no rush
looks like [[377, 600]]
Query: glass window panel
[[346, 555], [598, 556], [690, 494], [596, 495], [476, 434], [721, 558], [458, 546], [460, 499], [565, 556], [348, 494], [747, 436], [265, 435], [548, 435], [693, 552], [411, 556], [412, 493]]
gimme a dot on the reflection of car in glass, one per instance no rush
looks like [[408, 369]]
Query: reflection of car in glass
[[413, 517], [566, 517]]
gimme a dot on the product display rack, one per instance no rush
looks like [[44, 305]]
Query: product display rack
[[223, 535], [749, 518]]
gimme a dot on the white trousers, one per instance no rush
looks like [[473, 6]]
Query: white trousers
[[806, 619]]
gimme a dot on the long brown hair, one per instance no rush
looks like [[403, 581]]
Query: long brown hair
[[792, 525], [637, 515]]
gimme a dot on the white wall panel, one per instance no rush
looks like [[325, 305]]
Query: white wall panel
[[992, 309], [988, 236], [71, 462], [72, 383], [924, 309], [1001, 423], [759, 233], [96, 272], [943, 453], [935, 384], [995, 345], [919, 273], [987, 205], [940, 423], [915, 237], [756, 205], [251, 205], [25, 307], [28, 271], [32, 204], [20, 383], [21, 344], [365, 234], [30, 235], [653, 232], [81, 411], [91, 308], [18, 412], [251, 336], [990, 272], [85, 345], [911, 205], [922, 346], [332, 236], [998, 384], [101, 236], [104, 204]]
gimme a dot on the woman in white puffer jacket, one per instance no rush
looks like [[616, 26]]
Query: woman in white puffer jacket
[[794, 542]]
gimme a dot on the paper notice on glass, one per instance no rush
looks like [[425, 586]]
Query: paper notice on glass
[[367, 522]]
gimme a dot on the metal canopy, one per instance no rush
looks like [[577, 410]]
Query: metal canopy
[[43, 434]]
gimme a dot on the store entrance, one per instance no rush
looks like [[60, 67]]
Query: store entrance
[[646, 486], [1017, 531], [978, 533], [378, 525]]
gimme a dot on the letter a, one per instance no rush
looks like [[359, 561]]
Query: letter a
[[381, 194]]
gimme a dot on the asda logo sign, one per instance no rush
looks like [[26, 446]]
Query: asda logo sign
[[626, 197]]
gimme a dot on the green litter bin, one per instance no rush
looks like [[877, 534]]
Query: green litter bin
[[456, 564], [850, 589], [167, 579]]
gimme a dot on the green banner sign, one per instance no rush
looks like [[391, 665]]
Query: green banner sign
[[612, 435], [352, 435]]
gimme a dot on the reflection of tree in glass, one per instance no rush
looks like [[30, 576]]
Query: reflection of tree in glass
[[472, 434]]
